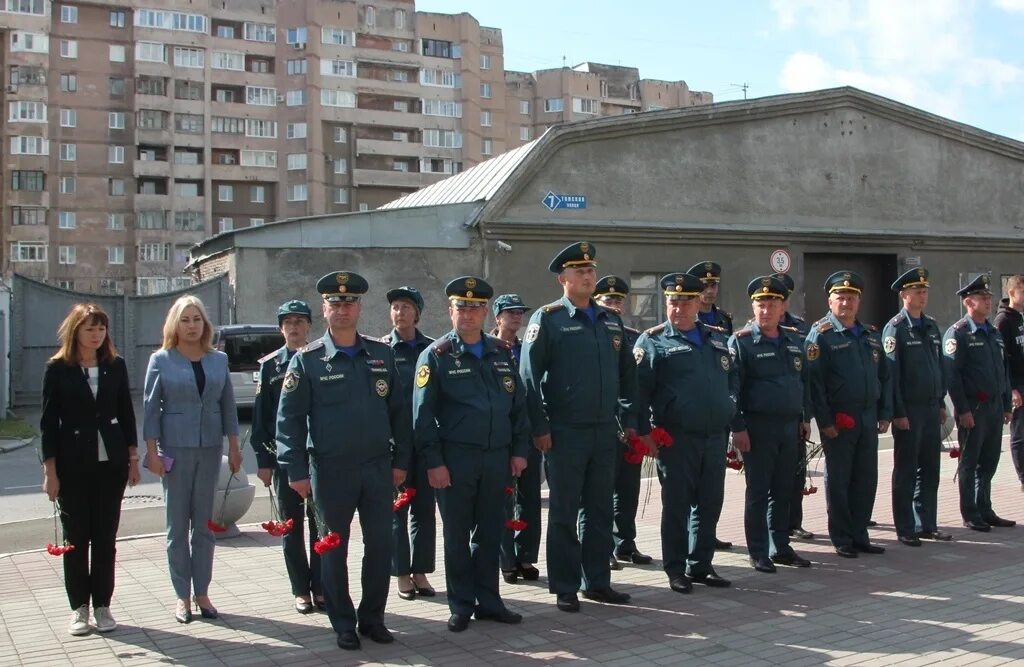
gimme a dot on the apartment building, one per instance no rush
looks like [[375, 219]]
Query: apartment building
[[136, 128]]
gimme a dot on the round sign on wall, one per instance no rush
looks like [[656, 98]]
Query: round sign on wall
[[780, 261]]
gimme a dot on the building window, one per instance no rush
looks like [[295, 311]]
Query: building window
[[28, 216], [257, 194], [115, 86], [259, 96], [153, 52], [399, 165], [399, 75], [525, 133], [443, 78], [266, 129], [297, 66], [401, 106], [584, 105], [337, 36], [115, 254], [296, 161], [345, 68], [32, 112], [110, 286], [524, 107], [188, 221], [151, 85], [444, 108], [363, 206], [28, 181], [295, 98], [188, 90], [188, 123], [117, 53], [399, 136], [154, 252], [192, 58], [340, 195], [259, 32], [226, 32], [259, 66], [68, 48], [485, 118], [231, 60], [337, 98], [29, 146], [442, 139], [68, 152], [485, 61], [297, 192], [66, 254], [340, 165], [441, 49], [296, 36], [296, 130], [340, 135], [225, 225], [37, 7], [256, 222], [68, 83], [225, 193], [28, 251], [371, 15], [115, 154], [115, 120], [115, 221], [68, 185], [259, 158], [399, 19], [554, 105], [151, 219], [115, 187], [487, 148], [485, 91], [66, 220], [400, 45], [117, 19]]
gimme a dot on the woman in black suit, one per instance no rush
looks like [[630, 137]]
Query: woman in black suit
[[89, 455]]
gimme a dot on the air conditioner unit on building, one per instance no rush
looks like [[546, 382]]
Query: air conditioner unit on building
[[280, 99], [299, 46], [12, 88]]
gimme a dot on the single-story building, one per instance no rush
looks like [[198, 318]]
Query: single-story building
[[809, 183]]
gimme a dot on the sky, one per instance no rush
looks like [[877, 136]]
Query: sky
[[962, 59]]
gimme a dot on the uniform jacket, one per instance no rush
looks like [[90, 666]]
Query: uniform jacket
[[333, 405], [577, 372], [915, 362], [772, 378], [73, 419], [405, 363], [464, 400], [174, 412], [847, 372], [792, 321], [976, 367], [682, 386], [273, 368], [722, 319], [1011, 327]]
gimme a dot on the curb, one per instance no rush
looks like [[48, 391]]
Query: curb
[[10, 445]]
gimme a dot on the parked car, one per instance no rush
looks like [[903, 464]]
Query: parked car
[[245, 344]]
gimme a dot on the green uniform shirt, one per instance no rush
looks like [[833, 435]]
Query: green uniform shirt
[[772, 377], [264, 409], [915, 361]]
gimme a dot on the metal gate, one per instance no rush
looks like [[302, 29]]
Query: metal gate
[[136, 324]]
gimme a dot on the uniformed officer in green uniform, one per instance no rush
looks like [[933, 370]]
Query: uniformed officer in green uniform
[[611, 292], [579, 373], [414, 526], [520, 549], [686, 384], [980, 390], [473, 435], [849, 382], [796, 499], [770, 422], [341, 406], [912, 343], [294, 318], [710, 274]]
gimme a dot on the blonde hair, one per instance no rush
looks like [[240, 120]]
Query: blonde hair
[[1015, 281], [174, 314], [83, 314]]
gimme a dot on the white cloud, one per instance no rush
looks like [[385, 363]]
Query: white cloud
[[1010, 5]]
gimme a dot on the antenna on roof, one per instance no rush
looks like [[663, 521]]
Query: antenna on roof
[[743, 86], [563, 61]]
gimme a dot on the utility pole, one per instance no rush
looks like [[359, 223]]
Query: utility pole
[[743, 86]]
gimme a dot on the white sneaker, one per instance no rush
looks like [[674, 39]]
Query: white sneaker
[[104, 620], [79, 624]]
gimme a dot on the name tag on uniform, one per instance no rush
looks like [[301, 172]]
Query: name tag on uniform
[[332, 378], [765, 355], [277, 377], [793, 349], [459, 371], [973, 344], [717, 345], [612, 325], [841, 346], [375, 362], [378, 370], [678, 349], [913, 342], [578, 327]]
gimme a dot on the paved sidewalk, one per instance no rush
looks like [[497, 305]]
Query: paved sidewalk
[[957, 603]]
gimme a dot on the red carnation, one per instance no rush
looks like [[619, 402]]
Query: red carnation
[[509, 491], [328, 542], [403, 499], [982, 397], [661, 437], [844, 421], [731, 455], [216, 527], [735, 464], [59, 549], [515, 524], [810, 490], [954, 452]]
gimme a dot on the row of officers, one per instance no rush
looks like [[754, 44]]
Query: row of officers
[[469, 419]]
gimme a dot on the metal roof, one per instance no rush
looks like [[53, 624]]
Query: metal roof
[[476, 184]]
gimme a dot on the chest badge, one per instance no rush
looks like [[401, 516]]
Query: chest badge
[[509, 384], [875, 355], [798, 364], [950, 346], [813, 352], [381, 386], [617, 342], [889, 345], [531, 333], [291, 381], [422, 376], [724, 360]]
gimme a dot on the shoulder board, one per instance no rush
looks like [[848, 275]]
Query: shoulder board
[[608, 310], [872, 327], [632, 330], [315, 345], [929, 317], [744, 332], [823, 326], [264, 359], [505, 345], [897, 319], [961, 323], [657, 329], [441, 346], [725, 314], [386, 338], [370, 339], [784, 328], [714, 328], [552, 307]]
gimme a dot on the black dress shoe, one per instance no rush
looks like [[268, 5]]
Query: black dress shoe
[[349, 640], [909, 540], [999, 522], [935, 535], [979, 526], [304, 607], [528, 572], [568, 602], [503, 616], [763, 564], [613, 564], [377, 633], [635, 557], [791, 560], [458, 622], [710, 578], [869, 548], [801, 534], [680, 584], [846, 551], [510, 576], [320, 604], [607, 595], [721, 545]]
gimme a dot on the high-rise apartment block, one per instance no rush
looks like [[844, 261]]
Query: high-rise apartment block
[[135, 128]]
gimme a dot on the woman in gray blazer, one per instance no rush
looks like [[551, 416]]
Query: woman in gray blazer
[[188, 408]]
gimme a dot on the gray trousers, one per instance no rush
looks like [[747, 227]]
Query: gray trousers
[[188, 506]]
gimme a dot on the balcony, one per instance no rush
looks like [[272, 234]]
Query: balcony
[[158, 137], [152, 202], [393, 179], [395, 118], [27, 198], [394, 148], [155, 168], [193, 172], [411, 88]]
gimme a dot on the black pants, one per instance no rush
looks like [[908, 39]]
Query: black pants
[[90, 502], [796, 498], [303, 569], [1017, 440]]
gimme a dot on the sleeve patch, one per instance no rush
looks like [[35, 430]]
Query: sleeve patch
[[291, 381], [422, 376], [889, 345], [950, 346], [813, 352], [531, 333], [638, 354]]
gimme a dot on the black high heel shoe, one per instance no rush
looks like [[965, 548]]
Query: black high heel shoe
[[205, 612], [183, 614]]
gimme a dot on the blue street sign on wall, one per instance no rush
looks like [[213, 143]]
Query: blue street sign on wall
[[553, 201]]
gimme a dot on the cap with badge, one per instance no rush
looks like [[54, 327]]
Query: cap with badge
[[575, 256], [979, 285], [707, 271], [405, 292], [912, 279], [508, 302], [787, 280], [342, 286], [469, 292], [844, 281], [767, 287], [681, 286], [294, 307], [611, 286]]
